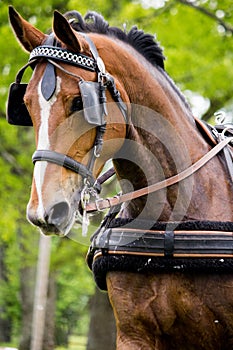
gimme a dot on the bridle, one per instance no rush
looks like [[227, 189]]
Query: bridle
[[93, 97]]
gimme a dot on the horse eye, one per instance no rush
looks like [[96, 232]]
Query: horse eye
[[77, 104]]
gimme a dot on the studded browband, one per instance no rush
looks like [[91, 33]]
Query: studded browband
[[62, 55]]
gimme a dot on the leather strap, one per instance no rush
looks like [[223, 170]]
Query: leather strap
[[229, 161], [177, 243], [169, 242], [64, 161], [20, 73], [109, 173], [102, 204], [48, 84]]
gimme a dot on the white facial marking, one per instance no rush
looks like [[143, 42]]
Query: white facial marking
[[43, 142]]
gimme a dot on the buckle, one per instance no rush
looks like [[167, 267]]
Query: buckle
[[97, 201], [97, 204]]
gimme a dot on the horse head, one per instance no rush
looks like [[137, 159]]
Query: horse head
[[75, 132]]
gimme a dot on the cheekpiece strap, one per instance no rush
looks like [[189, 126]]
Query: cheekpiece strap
[[22, 70]]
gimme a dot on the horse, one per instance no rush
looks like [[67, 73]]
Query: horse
[[99, 93]]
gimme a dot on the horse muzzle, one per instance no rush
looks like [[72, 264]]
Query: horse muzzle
[[57, 219]]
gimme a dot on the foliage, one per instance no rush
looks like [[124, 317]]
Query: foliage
[[74, 285], [197, 41]]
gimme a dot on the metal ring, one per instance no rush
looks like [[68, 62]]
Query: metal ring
[[97, 204], [226, 129]]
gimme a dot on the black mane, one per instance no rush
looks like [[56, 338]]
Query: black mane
[[143, 43]]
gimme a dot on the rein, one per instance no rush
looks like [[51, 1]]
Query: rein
[[101, 204]]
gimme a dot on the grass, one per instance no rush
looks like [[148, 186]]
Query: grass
[[75, 343], [10, 345]]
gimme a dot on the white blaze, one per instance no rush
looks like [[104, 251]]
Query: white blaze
[[43, 143]]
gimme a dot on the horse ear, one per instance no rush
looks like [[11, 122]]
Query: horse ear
[[65, 33], [28, 36]]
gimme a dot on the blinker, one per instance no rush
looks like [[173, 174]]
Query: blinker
[[94, 102], [17, 113], [93, 98], [92, 93]]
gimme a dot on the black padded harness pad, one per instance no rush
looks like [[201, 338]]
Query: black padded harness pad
[[155, 265], [147, 263]]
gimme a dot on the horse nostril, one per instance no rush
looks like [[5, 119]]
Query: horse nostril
[[33, 219], [58, 214]]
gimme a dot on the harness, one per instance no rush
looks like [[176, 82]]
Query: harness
[[110, 243], [141, 246], [138, 246], [102, 204]]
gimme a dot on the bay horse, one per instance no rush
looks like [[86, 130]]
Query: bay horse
[[98, 93]]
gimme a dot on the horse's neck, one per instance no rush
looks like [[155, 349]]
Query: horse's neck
[[148, 157], [151, 154], [150, 90], [161, 122], [163, 141], [149, 87]]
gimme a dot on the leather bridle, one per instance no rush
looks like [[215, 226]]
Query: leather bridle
[[54, 54]]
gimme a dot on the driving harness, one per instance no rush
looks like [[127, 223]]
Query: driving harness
[[161, 245]]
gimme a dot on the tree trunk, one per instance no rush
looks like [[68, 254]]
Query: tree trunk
[[102, 330], [41, 337], [27, 278], [27, 290], [49, 331], [5, 324]]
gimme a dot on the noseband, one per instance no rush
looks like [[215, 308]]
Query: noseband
[[92, 93]]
